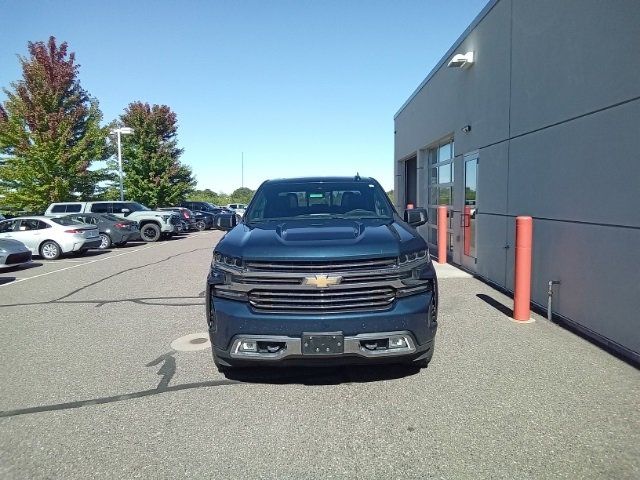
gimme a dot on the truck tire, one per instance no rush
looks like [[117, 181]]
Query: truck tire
[[424, 362], [201, 225], [150, 232], [221, 365]]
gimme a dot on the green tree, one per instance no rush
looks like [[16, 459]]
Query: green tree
[[391, 196], [50, 132], [242, 195], [154, 174]]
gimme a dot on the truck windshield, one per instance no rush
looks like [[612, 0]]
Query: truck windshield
[[353, 200]]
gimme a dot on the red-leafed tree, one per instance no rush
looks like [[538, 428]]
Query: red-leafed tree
[[49, 132]]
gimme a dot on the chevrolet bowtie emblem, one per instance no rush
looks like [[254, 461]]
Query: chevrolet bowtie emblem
[[322, 281]]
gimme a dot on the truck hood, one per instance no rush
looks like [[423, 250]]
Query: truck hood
[[150, 213], [321, 239]]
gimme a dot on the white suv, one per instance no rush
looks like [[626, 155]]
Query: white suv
[[239, 208], [153, 223]]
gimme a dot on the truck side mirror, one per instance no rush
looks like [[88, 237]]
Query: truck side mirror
[[416, 216], [125, 211]]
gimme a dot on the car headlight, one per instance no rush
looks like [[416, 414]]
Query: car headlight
[[225, 261], [419, 256]]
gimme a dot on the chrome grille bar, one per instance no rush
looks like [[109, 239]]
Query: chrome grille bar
[[321, 266], [322, 300]]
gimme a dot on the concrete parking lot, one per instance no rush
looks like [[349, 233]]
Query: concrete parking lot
[[98, 381]]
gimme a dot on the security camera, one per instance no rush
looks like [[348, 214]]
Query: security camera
[[461, 60]]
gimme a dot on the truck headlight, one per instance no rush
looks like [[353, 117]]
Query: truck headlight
[[419, 256], [225, 262]]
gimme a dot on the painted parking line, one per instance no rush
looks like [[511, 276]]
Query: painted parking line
[[20, 280], [80, 262]]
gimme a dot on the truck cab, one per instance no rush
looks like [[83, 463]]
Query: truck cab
[[319, 271]]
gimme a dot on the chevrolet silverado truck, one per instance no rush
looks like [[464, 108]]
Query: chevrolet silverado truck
[[322, 271]]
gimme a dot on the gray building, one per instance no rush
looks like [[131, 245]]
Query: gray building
[[543, 119]]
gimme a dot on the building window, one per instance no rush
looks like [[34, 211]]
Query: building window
[[440, 183]]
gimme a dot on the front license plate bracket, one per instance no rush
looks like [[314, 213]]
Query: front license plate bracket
[[322, 343]]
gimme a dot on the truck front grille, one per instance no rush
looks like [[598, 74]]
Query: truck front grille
[[322, 266], [322, 300]]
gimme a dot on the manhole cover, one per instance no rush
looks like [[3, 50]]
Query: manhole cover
[[191, 342]]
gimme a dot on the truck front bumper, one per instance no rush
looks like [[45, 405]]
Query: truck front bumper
[[232, 322]]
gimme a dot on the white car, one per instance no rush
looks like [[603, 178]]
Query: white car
[[51, 237], [13, 253], [239, 208]]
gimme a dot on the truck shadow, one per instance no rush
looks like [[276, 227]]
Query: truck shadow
[[334, 375]]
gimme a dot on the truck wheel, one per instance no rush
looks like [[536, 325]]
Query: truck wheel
[[50, 250], [200, 225], [150, 232], [106, 241], [221, 365], [424, 362]]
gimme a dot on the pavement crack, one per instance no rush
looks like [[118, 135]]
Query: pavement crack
[[101, 302], [84, 287]]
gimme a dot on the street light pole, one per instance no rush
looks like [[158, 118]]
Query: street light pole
[[242, 169], [121, 131], [120, 167]]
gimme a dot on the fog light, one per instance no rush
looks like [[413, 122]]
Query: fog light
[[248, 346], [398, 342]]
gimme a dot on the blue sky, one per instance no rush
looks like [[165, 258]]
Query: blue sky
[[301, 87]]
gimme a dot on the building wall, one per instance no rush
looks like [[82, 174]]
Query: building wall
[[554, 105]]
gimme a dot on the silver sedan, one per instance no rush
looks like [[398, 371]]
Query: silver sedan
[[51, 237], [13, 253]]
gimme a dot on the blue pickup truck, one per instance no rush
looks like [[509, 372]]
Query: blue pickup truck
[[322, 271]]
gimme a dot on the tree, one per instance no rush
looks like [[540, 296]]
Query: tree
[[154, 174], [50, 132], [391, 196], [242, 195]]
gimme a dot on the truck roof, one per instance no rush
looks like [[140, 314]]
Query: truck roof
[[321, 179]]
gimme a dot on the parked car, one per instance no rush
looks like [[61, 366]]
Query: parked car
[[239, 208], [198, 206], [13, 253], [153, 224], [322, 271], [113, 230], [204, 220], [186, 216], [204, 212], [51, 237]]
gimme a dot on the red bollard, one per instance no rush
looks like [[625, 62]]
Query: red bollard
[[442, 234], [522, 286]]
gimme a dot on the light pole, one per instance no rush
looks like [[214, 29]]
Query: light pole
[[121, 131]]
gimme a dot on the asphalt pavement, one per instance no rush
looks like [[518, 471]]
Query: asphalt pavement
[[106, 373]]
